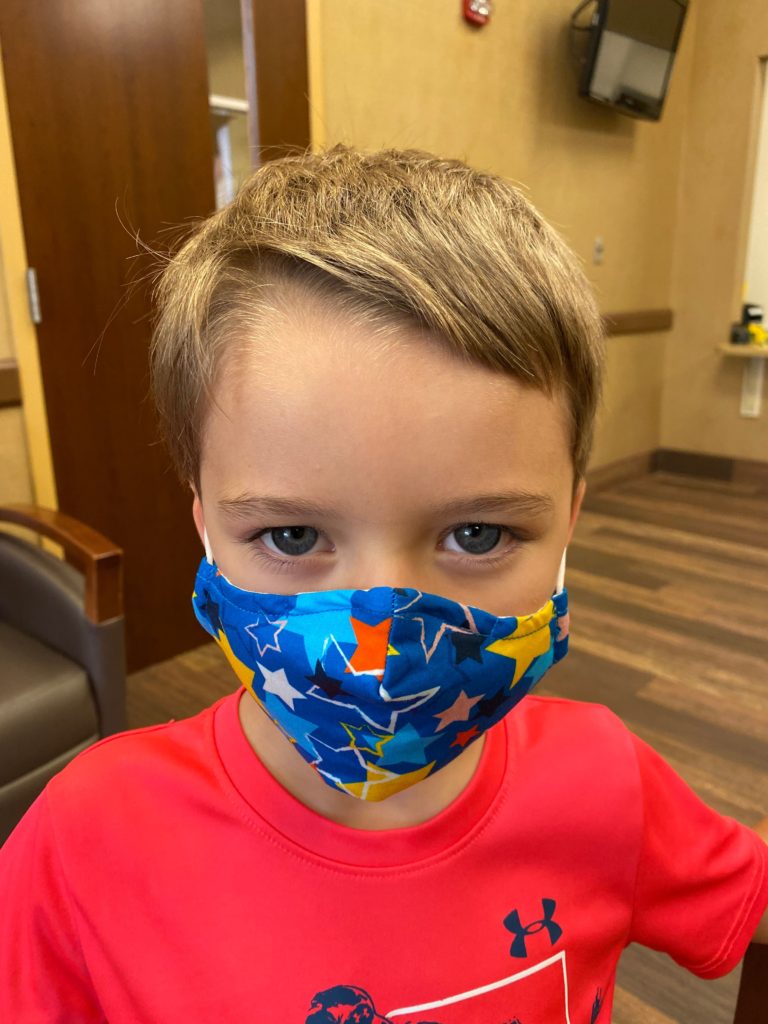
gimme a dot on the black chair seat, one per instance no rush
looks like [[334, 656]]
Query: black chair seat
[[62, 654], [47, 706]]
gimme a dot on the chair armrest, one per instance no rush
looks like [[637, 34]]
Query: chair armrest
[[753, 988], [98, 559]]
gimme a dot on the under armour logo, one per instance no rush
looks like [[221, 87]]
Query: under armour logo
[[521, 931]]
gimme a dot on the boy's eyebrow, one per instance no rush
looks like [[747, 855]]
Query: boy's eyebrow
[[519, 502]]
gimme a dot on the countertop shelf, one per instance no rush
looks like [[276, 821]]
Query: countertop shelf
[[745, 351], [227, 106]]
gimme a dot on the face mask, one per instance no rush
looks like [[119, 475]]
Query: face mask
[[379, 688]]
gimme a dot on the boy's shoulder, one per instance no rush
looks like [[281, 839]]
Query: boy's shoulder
[[580, 737], [579, 723], [119, 768]]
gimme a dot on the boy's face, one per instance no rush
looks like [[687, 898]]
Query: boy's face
[[335, 457]]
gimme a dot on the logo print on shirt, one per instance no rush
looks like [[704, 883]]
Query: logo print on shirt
[[521, 932], [345, 1004], [533, 993]]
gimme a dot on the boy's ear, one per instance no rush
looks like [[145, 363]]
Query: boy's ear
[[197, 514], [578, 498]]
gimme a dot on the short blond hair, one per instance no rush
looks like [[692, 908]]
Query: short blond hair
[[407, 237]]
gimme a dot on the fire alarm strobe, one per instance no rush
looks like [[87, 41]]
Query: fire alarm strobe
[[477, 12]]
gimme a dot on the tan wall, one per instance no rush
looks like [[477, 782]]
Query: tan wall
[[702, 388], [504, 98], [628, 423], [15, 478], [26, 469]]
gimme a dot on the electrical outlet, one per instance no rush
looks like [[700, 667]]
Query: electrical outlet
[[598, 250]]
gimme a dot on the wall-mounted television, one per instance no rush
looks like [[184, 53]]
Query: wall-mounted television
[[630, 52]]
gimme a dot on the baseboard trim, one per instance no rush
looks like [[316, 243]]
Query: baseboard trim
[[674, 460], [617, 472]]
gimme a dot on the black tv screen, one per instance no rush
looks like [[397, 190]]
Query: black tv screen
[[631, 50]]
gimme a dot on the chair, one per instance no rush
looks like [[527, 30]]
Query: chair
[[62, 657], [752, 1002]]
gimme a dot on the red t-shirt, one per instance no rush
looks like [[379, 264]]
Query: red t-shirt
[[165, 876]]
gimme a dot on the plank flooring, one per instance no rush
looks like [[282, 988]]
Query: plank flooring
[[668, 579]]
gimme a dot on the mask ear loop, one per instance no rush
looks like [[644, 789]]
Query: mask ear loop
[[561, 574]]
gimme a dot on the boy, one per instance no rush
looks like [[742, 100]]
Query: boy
[[379, 376]]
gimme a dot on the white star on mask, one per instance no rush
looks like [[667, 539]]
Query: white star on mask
[[253, 632], [277, 683]]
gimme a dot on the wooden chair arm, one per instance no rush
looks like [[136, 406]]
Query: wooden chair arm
[[752, 1002], [98, 559]]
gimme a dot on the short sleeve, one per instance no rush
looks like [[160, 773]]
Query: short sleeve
[[43, 976], [702, 878]]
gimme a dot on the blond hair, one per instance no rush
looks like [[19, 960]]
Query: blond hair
[[402, 235]]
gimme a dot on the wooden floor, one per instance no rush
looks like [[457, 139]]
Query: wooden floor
[[668, 579]]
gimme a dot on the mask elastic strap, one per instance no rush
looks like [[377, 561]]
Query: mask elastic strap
[[208, 552], [561, 574]]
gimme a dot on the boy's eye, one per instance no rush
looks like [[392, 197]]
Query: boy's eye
[[476, 538], [296, 541], [291, 540]]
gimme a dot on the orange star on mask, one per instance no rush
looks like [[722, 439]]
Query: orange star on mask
[[463, 738], [372, 644]]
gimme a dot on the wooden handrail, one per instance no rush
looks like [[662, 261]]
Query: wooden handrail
[[638, 321], [10, 388], [98, 559]]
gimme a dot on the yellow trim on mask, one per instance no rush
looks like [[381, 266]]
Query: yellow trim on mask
[[530, 640], [243, 673]]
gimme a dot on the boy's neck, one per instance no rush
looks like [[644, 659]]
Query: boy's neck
[[410, 807]]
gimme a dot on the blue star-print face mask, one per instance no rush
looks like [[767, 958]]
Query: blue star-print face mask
[[379, 688]]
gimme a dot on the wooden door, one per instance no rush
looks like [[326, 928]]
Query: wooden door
[[108, 104]]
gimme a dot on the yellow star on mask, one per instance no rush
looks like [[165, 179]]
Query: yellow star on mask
[[243, 673], [372, 741], [387, 783], [530, 640]]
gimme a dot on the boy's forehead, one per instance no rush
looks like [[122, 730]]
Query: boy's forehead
[[328, 403]]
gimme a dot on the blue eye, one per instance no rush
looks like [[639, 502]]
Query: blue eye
[[291, 540], [291, 545], [477, 538]]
